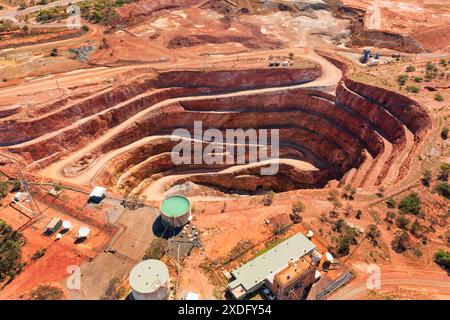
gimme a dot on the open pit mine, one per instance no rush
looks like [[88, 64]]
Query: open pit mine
[[120, 137], [96, 98]]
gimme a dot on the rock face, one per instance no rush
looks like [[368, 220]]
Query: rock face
[[385, 39], [237, 79], [7, 111], [202, 39], [135, 96], [335, 134], [409, 112]]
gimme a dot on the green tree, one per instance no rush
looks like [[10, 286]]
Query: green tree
[[268, 198], [10, 251], [38, 254], [410, 204], [431, 66], [400, 243], [427, 176], [410, 68], [439, 97], [443, 189], [442, 258], [402, 79], [402, 222], [391, 203], [3, 189], [333, 197], [390, 216], [298, 207], [46, 292], [373, 234], [342, 246], [444, 171], [417, 229], [444, 133], [413, 89], [349, 192], [339, 225], [51, 14]]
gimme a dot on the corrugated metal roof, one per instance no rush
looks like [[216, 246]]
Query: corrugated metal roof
[[268, 264]]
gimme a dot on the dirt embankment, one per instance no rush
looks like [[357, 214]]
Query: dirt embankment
[[361, 36], [433, 39], [133, 13], [7, 111], [202, 39], [43, 36]]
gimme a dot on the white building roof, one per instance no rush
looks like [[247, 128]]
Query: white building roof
[[20, 195], [268, 264], [98, 192]]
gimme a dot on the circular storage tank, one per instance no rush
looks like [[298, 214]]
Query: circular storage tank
[[83, 232], [149, 280], [175, 211], [67, 225]]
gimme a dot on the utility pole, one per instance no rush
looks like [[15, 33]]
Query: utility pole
[[57, 85], [36, 211]]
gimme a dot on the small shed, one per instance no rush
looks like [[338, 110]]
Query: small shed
[[97, 195], [19, 196], [52, 226]]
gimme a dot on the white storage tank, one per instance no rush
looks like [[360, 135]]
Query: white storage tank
[[83, 232], [175, 211], [149, 280]]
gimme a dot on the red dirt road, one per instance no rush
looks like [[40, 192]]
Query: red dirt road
[[429, 282]]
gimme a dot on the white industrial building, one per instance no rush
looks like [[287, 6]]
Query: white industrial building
[[97, 195]]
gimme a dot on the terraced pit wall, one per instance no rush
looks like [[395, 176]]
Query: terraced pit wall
[[107, 109], [334, 133]]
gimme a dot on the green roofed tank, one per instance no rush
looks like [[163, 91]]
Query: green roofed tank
[[175, 211]]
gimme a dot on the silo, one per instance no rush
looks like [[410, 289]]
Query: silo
[[175, 211], [149, 280]]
